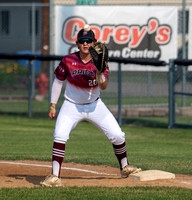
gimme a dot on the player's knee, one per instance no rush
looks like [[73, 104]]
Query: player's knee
[[117, 138]]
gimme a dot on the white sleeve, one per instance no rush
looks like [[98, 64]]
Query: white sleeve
[[56, 90]]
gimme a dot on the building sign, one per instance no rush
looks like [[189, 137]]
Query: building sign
[[128, 31]]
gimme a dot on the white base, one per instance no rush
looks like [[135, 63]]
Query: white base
[[150, 175]]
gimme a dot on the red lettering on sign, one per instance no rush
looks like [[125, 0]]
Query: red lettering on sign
[[71, 28], [107, 33], [137, 35], [97, 31], [163, 35], [121, 34], [153, 24]]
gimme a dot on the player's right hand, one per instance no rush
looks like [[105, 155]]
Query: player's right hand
[[52, 113]]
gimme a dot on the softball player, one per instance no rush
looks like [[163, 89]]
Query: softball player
[[82, 102]]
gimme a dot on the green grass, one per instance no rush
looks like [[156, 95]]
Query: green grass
[[147, 147], [96, 193], [152, 146]]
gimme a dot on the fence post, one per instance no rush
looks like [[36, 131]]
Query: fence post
[[184, 56], [171, 94], [30, 88], [119, 94], [51, 50], [33, 44]]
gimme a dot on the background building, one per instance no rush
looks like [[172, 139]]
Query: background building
[[24, 26]]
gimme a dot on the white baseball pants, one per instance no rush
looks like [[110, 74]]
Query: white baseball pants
[[97, 113]]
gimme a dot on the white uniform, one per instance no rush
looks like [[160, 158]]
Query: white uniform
[[82, 100]]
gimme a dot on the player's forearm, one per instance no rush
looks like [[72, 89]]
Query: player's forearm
[[56, 91]]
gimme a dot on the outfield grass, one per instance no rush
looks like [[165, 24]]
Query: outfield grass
[[148, 147]]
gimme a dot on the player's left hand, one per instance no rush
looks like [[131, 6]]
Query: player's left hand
[[52, 113]]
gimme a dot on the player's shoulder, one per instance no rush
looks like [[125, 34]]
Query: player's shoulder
[[70, 58]]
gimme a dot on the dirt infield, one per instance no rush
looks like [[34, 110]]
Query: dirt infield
[[30, 173]]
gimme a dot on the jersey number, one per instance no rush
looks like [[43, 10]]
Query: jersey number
[[92, 82]]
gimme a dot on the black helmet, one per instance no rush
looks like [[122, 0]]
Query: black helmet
[[86, 34]]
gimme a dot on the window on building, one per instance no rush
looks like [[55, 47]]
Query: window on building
[[34, 24], [4, 22]]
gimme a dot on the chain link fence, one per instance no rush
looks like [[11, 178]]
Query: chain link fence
[[24, 29]]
